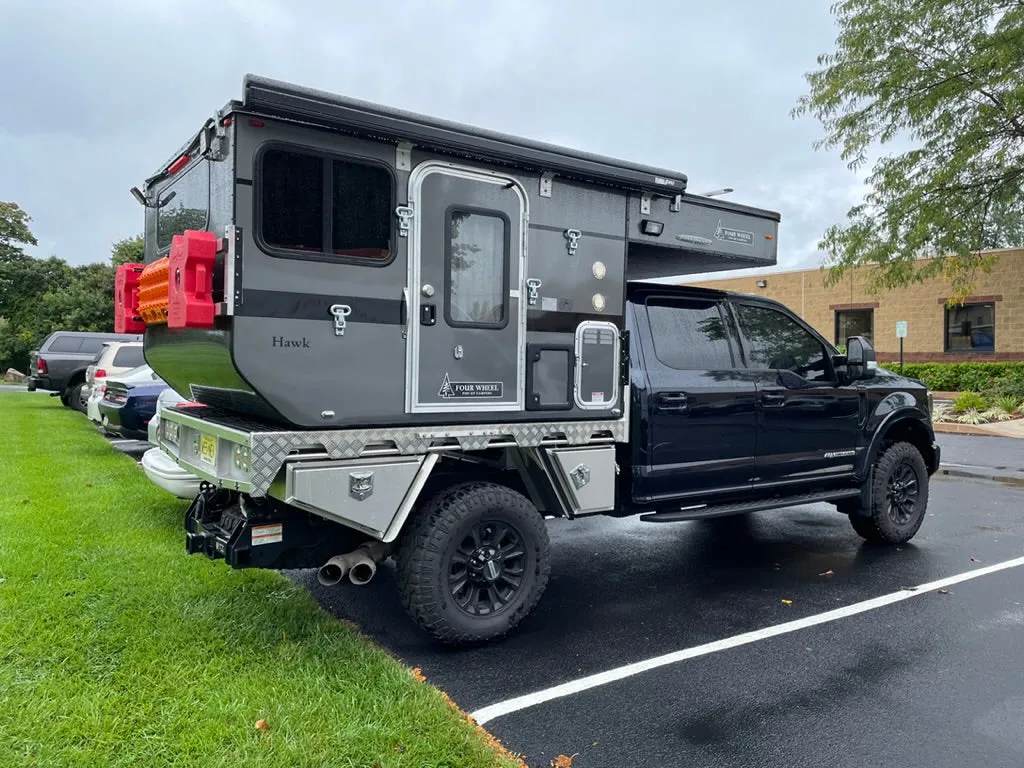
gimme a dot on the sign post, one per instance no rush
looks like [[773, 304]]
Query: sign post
[[901, 333]]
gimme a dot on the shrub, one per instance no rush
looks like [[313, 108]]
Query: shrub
[[970, 417], [969, 401], [992, 379], [996, 414], [1008, 403]]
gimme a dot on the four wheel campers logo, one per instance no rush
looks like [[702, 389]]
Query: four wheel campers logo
[[451, 390], [730, 235]]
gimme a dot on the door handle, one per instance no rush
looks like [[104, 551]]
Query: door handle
[[772, 399], [671, 402]]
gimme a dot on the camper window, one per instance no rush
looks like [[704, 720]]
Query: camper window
[[477, 266], [183, 204], [324, 207]]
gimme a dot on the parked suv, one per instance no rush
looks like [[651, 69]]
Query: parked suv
[[60, 362], [115, 357]]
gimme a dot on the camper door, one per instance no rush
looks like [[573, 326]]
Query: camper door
[[466, 320]]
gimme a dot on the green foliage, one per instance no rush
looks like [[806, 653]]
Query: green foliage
[[1008, 403], [120, 651], [969, 401], [39, 296], [946, 76], [1009, 384], [959, 377], [129, 250]]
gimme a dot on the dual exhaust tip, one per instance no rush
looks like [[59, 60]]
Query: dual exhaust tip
[[360, 566]]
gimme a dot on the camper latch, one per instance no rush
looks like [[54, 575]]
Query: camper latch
[[340, 312], [532, 290], [573, 236], [404, 214]]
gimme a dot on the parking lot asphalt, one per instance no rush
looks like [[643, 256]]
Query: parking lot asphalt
[[915, 683]]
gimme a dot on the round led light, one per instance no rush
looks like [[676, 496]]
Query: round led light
[[599, 270], [598, 302]]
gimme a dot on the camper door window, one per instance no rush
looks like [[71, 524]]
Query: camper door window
[[183, 204], [320, 207], [477, 279]]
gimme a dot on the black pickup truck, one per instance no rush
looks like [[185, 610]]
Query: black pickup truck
[[736, 406]]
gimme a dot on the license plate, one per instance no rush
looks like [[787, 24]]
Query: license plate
[[208, 449]]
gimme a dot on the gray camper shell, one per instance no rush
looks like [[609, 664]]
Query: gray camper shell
[[383, 269]]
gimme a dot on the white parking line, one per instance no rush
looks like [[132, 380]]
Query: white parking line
[[492, 711]]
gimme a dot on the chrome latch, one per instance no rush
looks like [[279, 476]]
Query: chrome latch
[[404, 214], [360, 485], [573, 236], [580, 476], [340, 312], [532, 290]]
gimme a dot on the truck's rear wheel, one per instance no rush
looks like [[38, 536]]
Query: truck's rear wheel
[[74, 400], [473, 563], [899, 497]]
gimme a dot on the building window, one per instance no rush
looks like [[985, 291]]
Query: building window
[[854, 322], [971, 328], [478, 266], [325, 207]]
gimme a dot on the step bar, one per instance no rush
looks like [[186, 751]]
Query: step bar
[[721, 510]]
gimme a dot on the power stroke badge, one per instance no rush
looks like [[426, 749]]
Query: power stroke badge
[[451, 390]]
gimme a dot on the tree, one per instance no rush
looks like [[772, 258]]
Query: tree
[[129, 250], [947, 77]]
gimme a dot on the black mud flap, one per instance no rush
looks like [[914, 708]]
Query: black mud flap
[[248, 533]]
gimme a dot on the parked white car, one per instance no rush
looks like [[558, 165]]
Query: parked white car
[[129, 376], [158, 466], [116, 357]]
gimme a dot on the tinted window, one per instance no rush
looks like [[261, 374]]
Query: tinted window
[[777, 342], [128, 357], [293, 187], [93, 345], [971, 328], [292, 195], [854, 322], [477, 266], [65, 344], [690, 335], [184, 204]]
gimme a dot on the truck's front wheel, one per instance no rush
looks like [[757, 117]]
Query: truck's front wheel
[[473, 563], [899, 497]]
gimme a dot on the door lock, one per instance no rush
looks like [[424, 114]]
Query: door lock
[[428, 314]]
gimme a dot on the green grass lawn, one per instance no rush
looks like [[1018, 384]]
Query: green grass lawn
[[117, 649]]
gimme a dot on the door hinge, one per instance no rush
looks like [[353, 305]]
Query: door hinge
[[545, 184], [403, 156], [404, 214]]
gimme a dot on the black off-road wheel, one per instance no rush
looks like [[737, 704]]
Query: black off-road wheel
[[899, 497], [473, 563]]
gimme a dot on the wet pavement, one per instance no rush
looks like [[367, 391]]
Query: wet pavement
[[925, 682]]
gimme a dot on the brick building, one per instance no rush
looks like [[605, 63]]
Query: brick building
[[988, 325]]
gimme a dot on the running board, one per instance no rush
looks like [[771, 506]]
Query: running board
[[720, 510]]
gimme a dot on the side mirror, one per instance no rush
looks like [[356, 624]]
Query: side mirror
[[860, 358]]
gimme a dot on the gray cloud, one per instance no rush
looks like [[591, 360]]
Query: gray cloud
[[98, 94]]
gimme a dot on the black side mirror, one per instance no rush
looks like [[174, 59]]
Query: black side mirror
[[860, 358]]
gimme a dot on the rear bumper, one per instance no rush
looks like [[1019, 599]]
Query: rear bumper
[[39, 382], [123, 421], [164, 473]]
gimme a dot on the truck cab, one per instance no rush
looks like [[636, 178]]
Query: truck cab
[[738, 403]]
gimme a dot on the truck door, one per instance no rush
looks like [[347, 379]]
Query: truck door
[[466, 322], [700, 413], [807, 425]]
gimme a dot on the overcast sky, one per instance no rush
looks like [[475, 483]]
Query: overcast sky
[[95, 95]]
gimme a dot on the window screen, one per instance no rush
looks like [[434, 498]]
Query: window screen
[[777, 342], [690, 335], [128, 357], [477, 269], [971, 328], [328, 207]]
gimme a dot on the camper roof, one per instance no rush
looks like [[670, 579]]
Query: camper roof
[[275, 98]]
